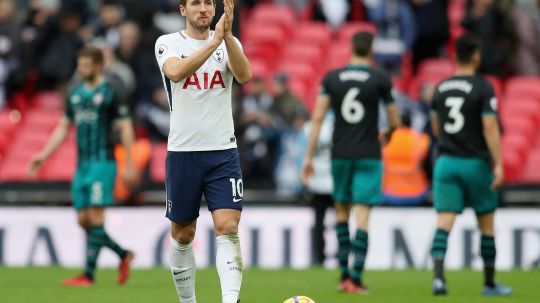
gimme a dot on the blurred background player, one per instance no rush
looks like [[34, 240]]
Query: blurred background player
[[198, 66], [469, 168], [95, 107], [354, 93]]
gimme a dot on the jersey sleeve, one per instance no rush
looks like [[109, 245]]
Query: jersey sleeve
[[119, 107], [164, 50], [325, 86], [489, 100], [386, 90], [68, 113], [434, 101]]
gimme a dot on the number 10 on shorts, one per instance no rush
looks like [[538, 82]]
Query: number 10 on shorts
[[237, 186]]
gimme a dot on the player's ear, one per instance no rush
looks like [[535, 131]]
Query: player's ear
[[182, 10], [477, 58]]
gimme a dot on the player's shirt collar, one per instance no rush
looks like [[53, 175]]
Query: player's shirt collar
[[184, 35], [360, 66]]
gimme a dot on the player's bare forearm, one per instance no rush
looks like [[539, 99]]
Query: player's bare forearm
[[393, 116], [435, 127], [58, 136], [178, 69], [313, 137], [492, 135], [321, 107], [238, 62], [127, 137]]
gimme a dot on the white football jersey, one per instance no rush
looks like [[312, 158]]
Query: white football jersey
[[200, 105]]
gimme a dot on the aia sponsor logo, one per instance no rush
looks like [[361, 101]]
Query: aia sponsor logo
[[207, 82]]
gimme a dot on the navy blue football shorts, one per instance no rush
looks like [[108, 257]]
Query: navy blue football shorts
[[189, 175]]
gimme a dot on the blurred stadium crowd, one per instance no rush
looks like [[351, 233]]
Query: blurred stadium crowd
[[290, 44]]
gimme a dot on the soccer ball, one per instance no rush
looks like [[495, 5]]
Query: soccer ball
[[299, 299]]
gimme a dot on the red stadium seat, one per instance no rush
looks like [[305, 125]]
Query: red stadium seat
[[19, 101], [531, 173], [38, 118], [8, 121], [313, 33], [48, 101], [347, 31], [4, 141], [270, 39], [516, 143], [157, 162], [437, 67], [260, 52], [521, 108], [524, 87], [13, 172], [310, 54], [59, 168], [338, 55], [298, 71], [507, 117], [399, 85], [513, 165], [259, 68], [522, 127], [534, 156], [272, 15], [298, 88]]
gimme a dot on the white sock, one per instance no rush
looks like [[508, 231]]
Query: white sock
[[229, 266], [183, 271]]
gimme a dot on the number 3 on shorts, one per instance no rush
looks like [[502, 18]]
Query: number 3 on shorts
[[237, 186]]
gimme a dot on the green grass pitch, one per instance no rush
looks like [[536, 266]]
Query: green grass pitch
[[42, 285]]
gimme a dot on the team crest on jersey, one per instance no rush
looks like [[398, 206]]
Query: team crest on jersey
[[218, 55], [161, 50], [75, 99], [98, 99]]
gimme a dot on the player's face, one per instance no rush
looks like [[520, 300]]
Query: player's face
[[87, 69], [199, 13]]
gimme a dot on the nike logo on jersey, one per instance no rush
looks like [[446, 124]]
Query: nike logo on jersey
[[236, 200], [230, 262], [183, 57], [179, 272]]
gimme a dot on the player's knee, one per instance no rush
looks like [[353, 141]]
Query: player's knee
[[84, 223], [446, 221], [226, 228], [487, 230], [184, 235]]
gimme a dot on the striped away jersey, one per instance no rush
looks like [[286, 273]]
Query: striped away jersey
[[93, 110]]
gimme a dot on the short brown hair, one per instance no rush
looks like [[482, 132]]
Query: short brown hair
[[183, 2], [362, 42], [93, 53]]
